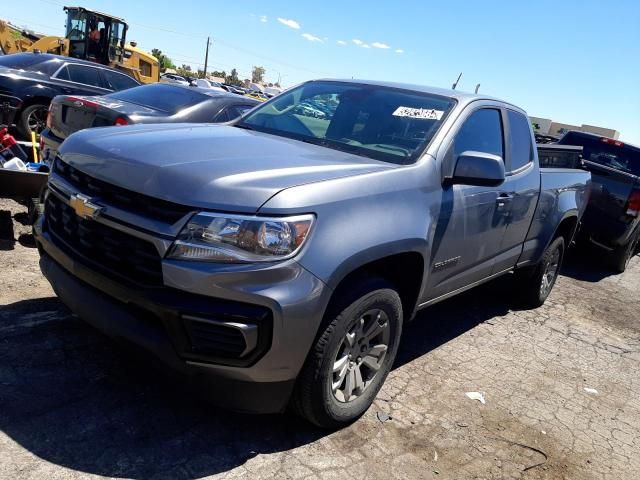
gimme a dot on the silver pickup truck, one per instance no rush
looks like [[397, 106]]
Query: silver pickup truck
[[278, 257]]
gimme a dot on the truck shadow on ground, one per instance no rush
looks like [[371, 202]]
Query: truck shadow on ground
[[74, 398], [7, 231], [588, 264]]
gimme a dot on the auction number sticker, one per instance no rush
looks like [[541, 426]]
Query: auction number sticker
[[422, 113]]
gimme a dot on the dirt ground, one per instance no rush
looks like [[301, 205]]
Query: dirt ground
[[561, 384]]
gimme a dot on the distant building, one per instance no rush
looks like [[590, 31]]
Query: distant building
[[546, 126]]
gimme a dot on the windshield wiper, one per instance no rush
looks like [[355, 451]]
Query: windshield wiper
[[243, 126]]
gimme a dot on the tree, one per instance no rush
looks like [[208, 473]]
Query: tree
[[257, 74], [232, 78], [164, 61], [184, 70], [219, 74]]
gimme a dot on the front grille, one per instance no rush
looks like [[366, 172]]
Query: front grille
[[100, 247], [215, 339], [138, 203]]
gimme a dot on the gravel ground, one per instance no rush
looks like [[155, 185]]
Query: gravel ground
[[561, 384]]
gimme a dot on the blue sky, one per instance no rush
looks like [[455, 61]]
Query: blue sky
[[573, 61]]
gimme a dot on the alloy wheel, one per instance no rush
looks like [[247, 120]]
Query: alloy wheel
[[360, 355], [37, 120]]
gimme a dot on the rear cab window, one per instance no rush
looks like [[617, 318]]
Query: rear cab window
[[520, 144], [165, 98]]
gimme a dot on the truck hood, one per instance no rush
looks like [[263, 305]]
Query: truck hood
[[217, 167]]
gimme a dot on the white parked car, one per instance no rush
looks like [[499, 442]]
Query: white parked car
[[204, 83], [173, 79], [272, 91]]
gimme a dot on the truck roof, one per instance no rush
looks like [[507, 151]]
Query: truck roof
[[445, 92]]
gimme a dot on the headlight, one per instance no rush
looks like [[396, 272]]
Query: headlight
[[240, 239]]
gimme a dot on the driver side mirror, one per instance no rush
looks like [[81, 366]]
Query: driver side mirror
[[478, 168]]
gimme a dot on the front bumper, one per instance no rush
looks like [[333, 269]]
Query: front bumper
[[287, 299]]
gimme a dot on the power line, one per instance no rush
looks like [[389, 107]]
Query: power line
[[215, 39]]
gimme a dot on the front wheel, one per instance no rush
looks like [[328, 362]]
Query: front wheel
[[33, 119], [352, 356], [536, 283]]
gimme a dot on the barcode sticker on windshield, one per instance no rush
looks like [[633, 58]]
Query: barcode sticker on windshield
[[422, 113]]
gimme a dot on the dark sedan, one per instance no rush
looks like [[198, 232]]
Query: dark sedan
[[36, 78], [154, 103]]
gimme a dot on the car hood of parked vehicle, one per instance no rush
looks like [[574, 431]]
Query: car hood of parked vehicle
[[215, 167]]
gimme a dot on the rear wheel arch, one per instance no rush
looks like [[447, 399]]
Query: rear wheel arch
[[567, 229], [36, 100]]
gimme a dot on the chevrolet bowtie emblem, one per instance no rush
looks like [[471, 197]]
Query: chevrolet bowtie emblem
[[83, 207]]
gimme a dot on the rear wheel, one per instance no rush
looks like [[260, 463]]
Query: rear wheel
[[32, 119], [621, 256], [537, 282], [352, 356]]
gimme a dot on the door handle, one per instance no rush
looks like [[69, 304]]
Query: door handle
[[503, 198]]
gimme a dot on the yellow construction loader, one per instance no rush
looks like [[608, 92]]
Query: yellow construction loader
[[90, 36]]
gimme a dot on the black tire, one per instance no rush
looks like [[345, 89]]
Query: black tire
[[537, 282], [38, 110], [314, 397], [621, 256]]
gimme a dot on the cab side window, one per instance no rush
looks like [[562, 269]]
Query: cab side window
[[481, 132], [84, 75], [520, 145]]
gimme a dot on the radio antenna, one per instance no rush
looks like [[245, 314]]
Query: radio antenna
[[453, 87]]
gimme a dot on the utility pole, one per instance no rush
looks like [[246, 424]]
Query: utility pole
[[206, 57]]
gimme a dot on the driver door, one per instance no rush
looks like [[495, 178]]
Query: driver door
[[471, 221]]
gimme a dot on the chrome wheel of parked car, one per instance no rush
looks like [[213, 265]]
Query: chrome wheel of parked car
[[360, 356], [37, 120], [33, 119]]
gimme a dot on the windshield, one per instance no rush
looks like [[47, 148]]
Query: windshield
[[384, 123], [605, 152], [76, 25], [159, 96]]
